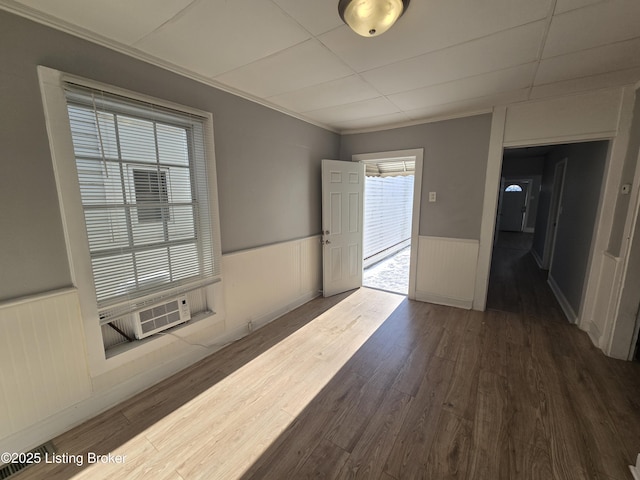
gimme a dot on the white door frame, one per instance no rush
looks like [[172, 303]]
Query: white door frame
[[418, 155], [555, 210]]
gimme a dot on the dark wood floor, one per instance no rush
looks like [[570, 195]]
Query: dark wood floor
[[427, 392], [516, 283]]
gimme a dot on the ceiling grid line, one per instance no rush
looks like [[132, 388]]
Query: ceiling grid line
[[440, 60], [543, 42]]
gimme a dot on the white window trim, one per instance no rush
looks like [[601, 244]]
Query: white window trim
[[63, 158]]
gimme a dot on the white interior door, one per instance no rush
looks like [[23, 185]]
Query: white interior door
[[342, 212]]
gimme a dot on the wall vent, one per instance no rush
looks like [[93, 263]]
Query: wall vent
[[10, 469], [161, 316]]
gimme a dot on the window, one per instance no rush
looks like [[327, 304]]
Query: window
[[513, 188], [142, 173]]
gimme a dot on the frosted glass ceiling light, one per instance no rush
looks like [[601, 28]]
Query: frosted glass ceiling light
[[371, 17]]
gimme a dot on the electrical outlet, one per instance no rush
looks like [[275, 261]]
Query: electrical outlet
[[432, 196]]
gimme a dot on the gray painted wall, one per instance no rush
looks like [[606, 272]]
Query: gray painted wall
[[580, 201], [628, 172], [268, 163], [455, 165]]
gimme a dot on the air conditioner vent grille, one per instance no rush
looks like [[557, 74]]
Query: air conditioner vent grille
[[161, 317]]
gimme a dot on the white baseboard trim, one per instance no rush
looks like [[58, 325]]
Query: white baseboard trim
[[441, 300], [594, 333], [635, 469], [537, 258], [562, 300]]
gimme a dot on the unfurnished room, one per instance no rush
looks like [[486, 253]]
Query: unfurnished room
[[284, 239]]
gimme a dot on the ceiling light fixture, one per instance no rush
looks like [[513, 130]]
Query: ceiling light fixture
[[370, 18]]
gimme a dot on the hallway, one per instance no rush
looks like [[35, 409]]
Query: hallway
[[516, 283]]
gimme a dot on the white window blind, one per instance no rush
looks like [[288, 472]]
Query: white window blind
[[388, 204], [142, 172]]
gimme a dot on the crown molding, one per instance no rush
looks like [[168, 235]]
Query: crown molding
[[422, 121], [84, 34]]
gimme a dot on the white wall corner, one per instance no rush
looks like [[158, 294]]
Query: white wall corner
[[593, 296], [490, 202]]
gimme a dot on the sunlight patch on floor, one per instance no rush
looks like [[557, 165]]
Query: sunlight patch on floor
[[223, 431]]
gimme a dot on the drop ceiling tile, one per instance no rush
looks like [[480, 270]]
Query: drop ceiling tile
[[617, 56], [317, 17], [329, 94], [585, 84], [380, 121], [468, 106], [215, 36], [566, 5], [431, 25], [484, 85], [353, 111], [304, 65], [502, 50], [121, 20], [593, 26]]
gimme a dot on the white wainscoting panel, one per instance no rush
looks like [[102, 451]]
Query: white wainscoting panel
[[605, 302], [263, 283], [45, 383], [42, 358], [446, 271]]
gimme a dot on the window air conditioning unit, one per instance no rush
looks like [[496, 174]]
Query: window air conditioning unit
[[161, 316]]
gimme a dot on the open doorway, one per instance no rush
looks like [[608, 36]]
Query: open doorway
[[391, 209], [388, 209], [540, 268]]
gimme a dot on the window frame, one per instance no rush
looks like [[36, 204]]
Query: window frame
[[73, 220]]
